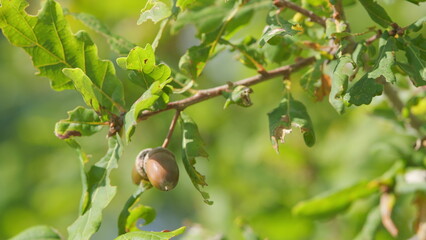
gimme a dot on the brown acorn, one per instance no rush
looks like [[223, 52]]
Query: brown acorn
[[158, 166]]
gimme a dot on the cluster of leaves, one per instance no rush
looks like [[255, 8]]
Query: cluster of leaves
[[346, 70]]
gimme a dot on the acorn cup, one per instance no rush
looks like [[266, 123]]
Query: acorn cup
[[158, 166]]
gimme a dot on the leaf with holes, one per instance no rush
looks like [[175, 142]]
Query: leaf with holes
[[290, 113], [192, 148], [339, 83], [98, 191]]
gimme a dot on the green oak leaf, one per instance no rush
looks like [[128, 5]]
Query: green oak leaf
[[329, 204], [193, 61], [97, 190], [385, 60], [371, 225], [183, 4], [116, 43], [145, 235], [288, 114], [145, 102], [416, 1], [250, 54], [339, 83], [38, 233], [80, 122], [415, 51], [192, 148], [48, 39], [417, 25], [156, 10], [376, 12], [363, 91], [144, 70], [132, 212], [311, 80], [334, 202], [277, 27]]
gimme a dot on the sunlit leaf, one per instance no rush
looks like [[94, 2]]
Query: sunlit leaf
[[48, 39], [385, 60], [339, 83], [330, 204], [156, 10], [144, 70], [38, 233], [376, 12], [144, 235], [184, 3], [117, 43], [192, 148], [80, 122], [290, 113], [98, 190]]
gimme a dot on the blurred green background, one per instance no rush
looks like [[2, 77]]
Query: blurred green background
[[248, 181]]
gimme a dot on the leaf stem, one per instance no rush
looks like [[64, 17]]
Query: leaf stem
[[171, 129], [206, 94], [297, 8]]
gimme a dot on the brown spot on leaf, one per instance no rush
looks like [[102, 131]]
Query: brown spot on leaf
[[68, 134]]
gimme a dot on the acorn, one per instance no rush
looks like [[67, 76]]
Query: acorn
[[158, 166]]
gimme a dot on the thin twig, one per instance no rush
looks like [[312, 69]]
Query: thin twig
[[297, 8], [339, 14], [206, 94], [370, 40], [171, 129]]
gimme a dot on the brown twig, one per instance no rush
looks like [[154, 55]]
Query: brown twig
[[373, 38], [297, 8], [339, 13], [171, 129], [206, 94]]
